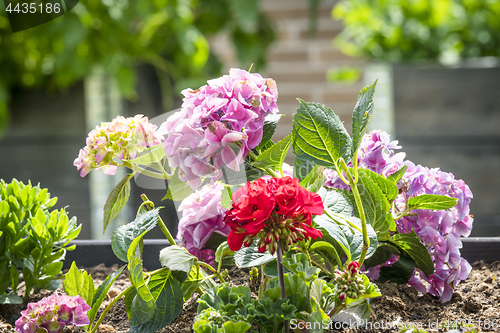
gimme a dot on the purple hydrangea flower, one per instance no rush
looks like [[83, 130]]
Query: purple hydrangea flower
[[439, 230], [52, 313], [218, 124], [202, 215]]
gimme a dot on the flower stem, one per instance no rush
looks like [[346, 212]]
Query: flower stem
[[281, 277], [361, 211], [149, 205], [219, 276], [117, 298]]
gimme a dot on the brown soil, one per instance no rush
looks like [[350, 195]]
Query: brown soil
[[475, 301]]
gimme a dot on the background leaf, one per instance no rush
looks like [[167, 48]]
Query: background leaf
[[274, 156], [431, 201], [361, 115]]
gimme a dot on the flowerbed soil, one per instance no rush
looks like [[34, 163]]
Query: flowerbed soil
[[476, 300]]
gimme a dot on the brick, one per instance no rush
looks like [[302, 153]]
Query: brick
[[286, 55], [333, 54], [299, 77], [340, 97], [292, 98]]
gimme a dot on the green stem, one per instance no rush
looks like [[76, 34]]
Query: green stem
[[101, 318], [361, 211], [149, 205], [204, 264], [281, 278]]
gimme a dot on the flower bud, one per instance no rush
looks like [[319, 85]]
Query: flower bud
[[342, 296]]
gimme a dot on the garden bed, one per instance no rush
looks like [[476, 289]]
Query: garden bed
[[476, 299]]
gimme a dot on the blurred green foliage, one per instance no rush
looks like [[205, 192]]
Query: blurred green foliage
[[120, 34], [404, 30]]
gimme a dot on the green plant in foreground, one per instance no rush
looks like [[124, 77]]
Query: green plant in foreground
[[33, 239]]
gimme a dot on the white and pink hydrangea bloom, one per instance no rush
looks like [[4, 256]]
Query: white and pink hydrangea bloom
[[121, 139], [52, 313], [218, 124], [202, 216], [439, 230]]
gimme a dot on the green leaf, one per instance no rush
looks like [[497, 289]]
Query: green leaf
[[361, 115], [223, 251], [143, 303], [176, 258], [336, 201], [313, 182], [411, 244], [79, 282], [117, 199], [236, 327], [226, 200], [431, 201], [274, 156], [10, 299], [271, 269], [319, 135], [250, 256], [123, 237], [150, 156], [318, 319], [299, 264], [358, 312], [168, 304], [302, 168], [100, 293], [270, 125], [382, 254], [327, 251], [14, 276], [177, 189], [400, 272], [396, 176], [336, 232]]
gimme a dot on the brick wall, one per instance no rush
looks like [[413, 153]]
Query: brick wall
[[299, 62]]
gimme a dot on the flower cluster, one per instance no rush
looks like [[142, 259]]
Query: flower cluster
[[52, 313], [121, 138], [272, 210], [376, 153], [202, 215], [438, 230], [349, 283], [218, 124]]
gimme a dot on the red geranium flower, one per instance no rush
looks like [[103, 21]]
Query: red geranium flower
[[272, 210]]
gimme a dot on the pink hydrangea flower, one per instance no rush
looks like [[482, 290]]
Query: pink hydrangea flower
[[202, 215], [122, 139], [218, 124], [52, 313]]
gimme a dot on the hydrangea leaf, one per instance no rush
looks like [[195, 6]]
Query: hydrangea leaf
[[177, 189], [179, 259], [150, 157], [335, 232], [411, 244], [361, 115], [432, 201], [327, 251], [336, 201], [382, 254], [79, 282], [167, 294], [143, 304], [274, 156], [116, 200], [314, 180], [400, 272], [123, 237], [319, 135], [250, 256], [302, 168], [356, 313], [396, 176], [270, 125]]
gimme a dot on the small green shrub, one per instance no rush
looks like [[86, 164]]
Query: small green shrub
[[33, 239]]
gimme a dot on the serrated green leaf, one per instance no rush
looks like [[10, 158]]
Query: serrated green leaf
[[299, 264], [431, 201], [223, 251], [336, 232], [236, 327], [302, 168], [336, 201], [250, 256], [412, 245], [361, 115], [382, 254], [396, 176], [167, 293], [117, 199], [150, 156], [79, 282], [177, 189], [319, 135], [226, 200], [400, 272], [274, 156], [313, 182], [123, 237], [176, 258], [388, 188], [143, 304]]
